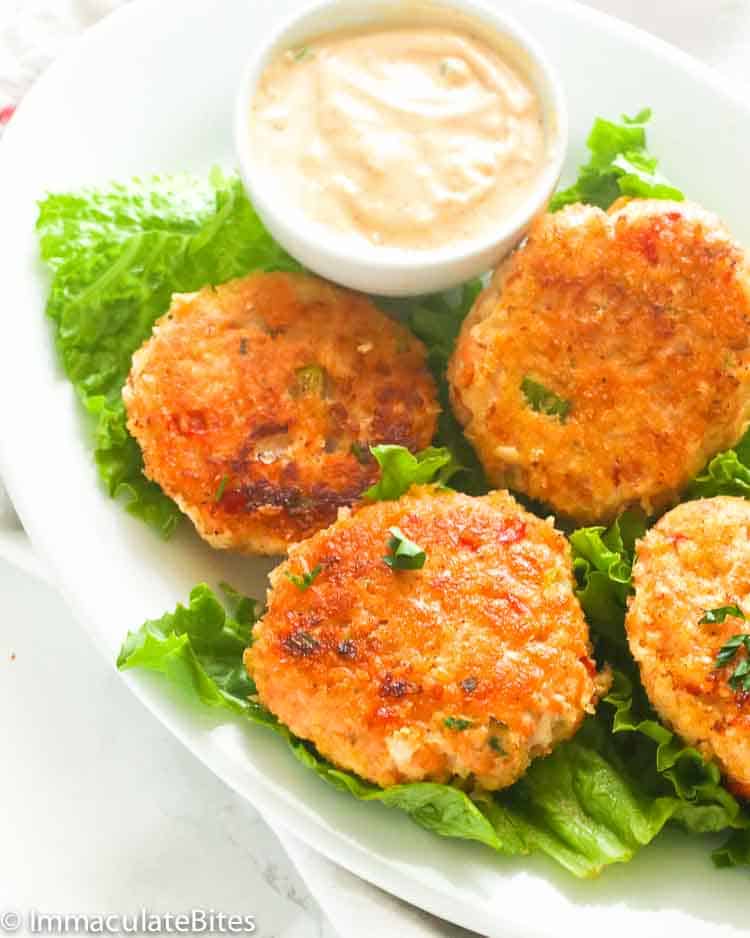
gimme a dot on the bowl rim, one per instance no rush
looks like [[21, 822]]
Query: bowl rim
[[340, 247]]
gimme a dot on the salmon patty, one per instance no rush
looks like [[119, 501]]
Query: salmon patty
[[254, 404], [609, 359], [694, 561], [471, 665]]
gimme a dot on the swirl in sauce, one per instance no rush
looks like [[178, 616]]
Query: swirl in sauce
[[408, 137]]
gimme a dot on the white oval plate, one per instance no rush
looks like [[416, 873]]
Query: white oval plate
[[151, 90]]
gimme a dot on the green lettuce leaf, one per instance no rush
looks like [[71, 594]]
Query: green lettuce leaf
[[116, 256], [728, 473], [594, 801], [400, 469], [620, 164], [120, 464], [602, 561], [199, 648], [675, 774], [735, 852], [437, 320]]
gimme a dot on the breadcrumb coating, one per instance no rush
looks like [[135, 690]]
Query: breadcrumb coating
[[637, 323], [467, 668], [255, 402]]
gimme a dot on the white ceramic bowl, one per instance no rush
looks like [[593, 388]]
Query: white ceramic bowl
[[388, 270]]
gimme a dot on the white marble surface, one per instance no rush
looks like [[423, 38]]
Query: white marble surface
[[102, 810]]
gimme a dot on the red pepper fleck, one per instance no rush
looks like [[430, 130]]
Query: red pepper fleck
[[6, 113], [513, 531], [589, 665], [648, 246], [190, 423], [233, 501], [516, 604], [193, 422], [470, 540]]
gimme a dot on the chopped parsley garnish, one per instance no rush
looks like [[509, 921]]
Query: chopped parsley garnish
[[220, 490], [543, 400], [301, 53], [457, 723], [497, 746], [403, 553], [739, 679], [306, 580], [720, 614]]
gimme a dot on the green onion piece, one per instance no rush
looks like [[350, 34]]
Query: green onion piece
[[220, 490], [311, 379], [497, 746], [544, 401], [457, 723], [739, 679], [306, 580], [404, 554], [720, 614]]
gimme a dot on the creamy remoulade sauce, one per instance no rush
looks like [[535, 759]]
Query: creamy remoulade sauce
[[410, 137]]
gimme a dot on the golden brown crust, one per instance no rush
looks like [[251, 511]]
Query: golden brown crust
[[641, 320], [369, 662], [696, 558], [248, 397]]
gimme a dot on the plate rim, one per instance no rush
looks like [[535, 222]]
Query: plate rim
[[274, 802]]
